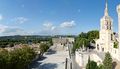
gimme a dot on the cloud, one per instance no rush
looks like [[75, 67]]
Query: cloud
[[13, 31], [2, 28], [20, 20], [1, 17], [68, 24], [49, 27], [9, 30]]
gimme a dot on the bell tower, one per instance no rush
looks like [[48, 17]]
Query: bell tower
[[106, 33], [118, 11]]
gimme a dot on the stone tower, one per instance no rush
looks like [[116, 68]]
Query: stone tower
[[106, 33], [118, 11]]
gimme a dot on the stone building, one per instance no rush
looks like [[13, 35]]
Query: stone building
[[107, 42], [62, 42]]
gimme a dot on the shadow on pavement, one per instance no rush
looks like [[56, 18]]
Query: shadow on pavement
[[48, 66], [50, 51], [36, 63]]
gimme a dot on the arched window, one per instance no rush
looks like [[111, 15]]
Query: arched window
[[97, 46], [111, 37], [103, 49]]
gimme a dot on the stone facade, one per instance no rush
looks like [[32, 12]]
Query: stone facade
[[107, 38], [106, 33], [105, 43], [62, 42]]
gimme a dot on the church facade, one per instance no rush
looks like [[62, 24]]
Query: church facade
[[109, 41]]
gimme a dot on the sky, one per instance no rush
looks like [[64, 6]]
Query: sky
[[53, 17]]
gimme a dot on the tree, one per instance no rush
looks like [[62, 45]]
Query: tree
[[91, 64], [94, 34], [83, 35], [107, 61], [3, 58], [85, 38], [43, 48], [88, 64], [116, 44], [100, 66], [17, 59]]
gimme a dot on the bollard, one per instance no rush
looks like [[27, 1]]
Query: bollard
[[71, 65], [66, 63]]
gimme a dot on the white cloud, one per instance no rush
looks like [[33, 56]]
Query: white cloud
[[1, 17], [9, 30], [20, 20], [13, 31], [49, 27], [2, 28], [68, 24]]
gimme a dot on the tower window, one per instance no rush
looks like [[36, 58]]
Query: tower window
[[111, 37], [102, 49], [97, 46]]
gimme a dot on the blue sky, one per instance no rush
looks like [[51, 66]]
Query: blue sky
[[47, 17]]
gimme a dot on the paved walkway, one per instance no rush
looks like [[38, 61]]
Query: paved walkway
[[52, 60]]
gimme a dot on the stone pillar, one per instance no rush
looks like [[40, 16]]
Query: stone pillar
[[118, 11]]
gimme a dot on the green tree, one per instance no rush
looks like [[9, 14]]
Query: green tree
[[3, 58], [83, 35], [91, 64], [107, 61], [85, 38], [43, 48], [17, 59], [94, 34], [88, 64], [100, 66], [116, 44]]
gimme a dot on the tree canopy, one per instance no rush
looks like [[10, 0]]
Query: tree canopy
[[107, 61], [10, 41], [91, 64], [85, 39], [17, 59]]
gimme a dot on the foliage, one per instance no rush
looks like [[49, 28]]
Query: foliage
[[94, 34], [43, 48], [86, 39], [107, 61], [4, 57], [91, 65], [13, 40], [115, 44], [101, 66], [16, 59]]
